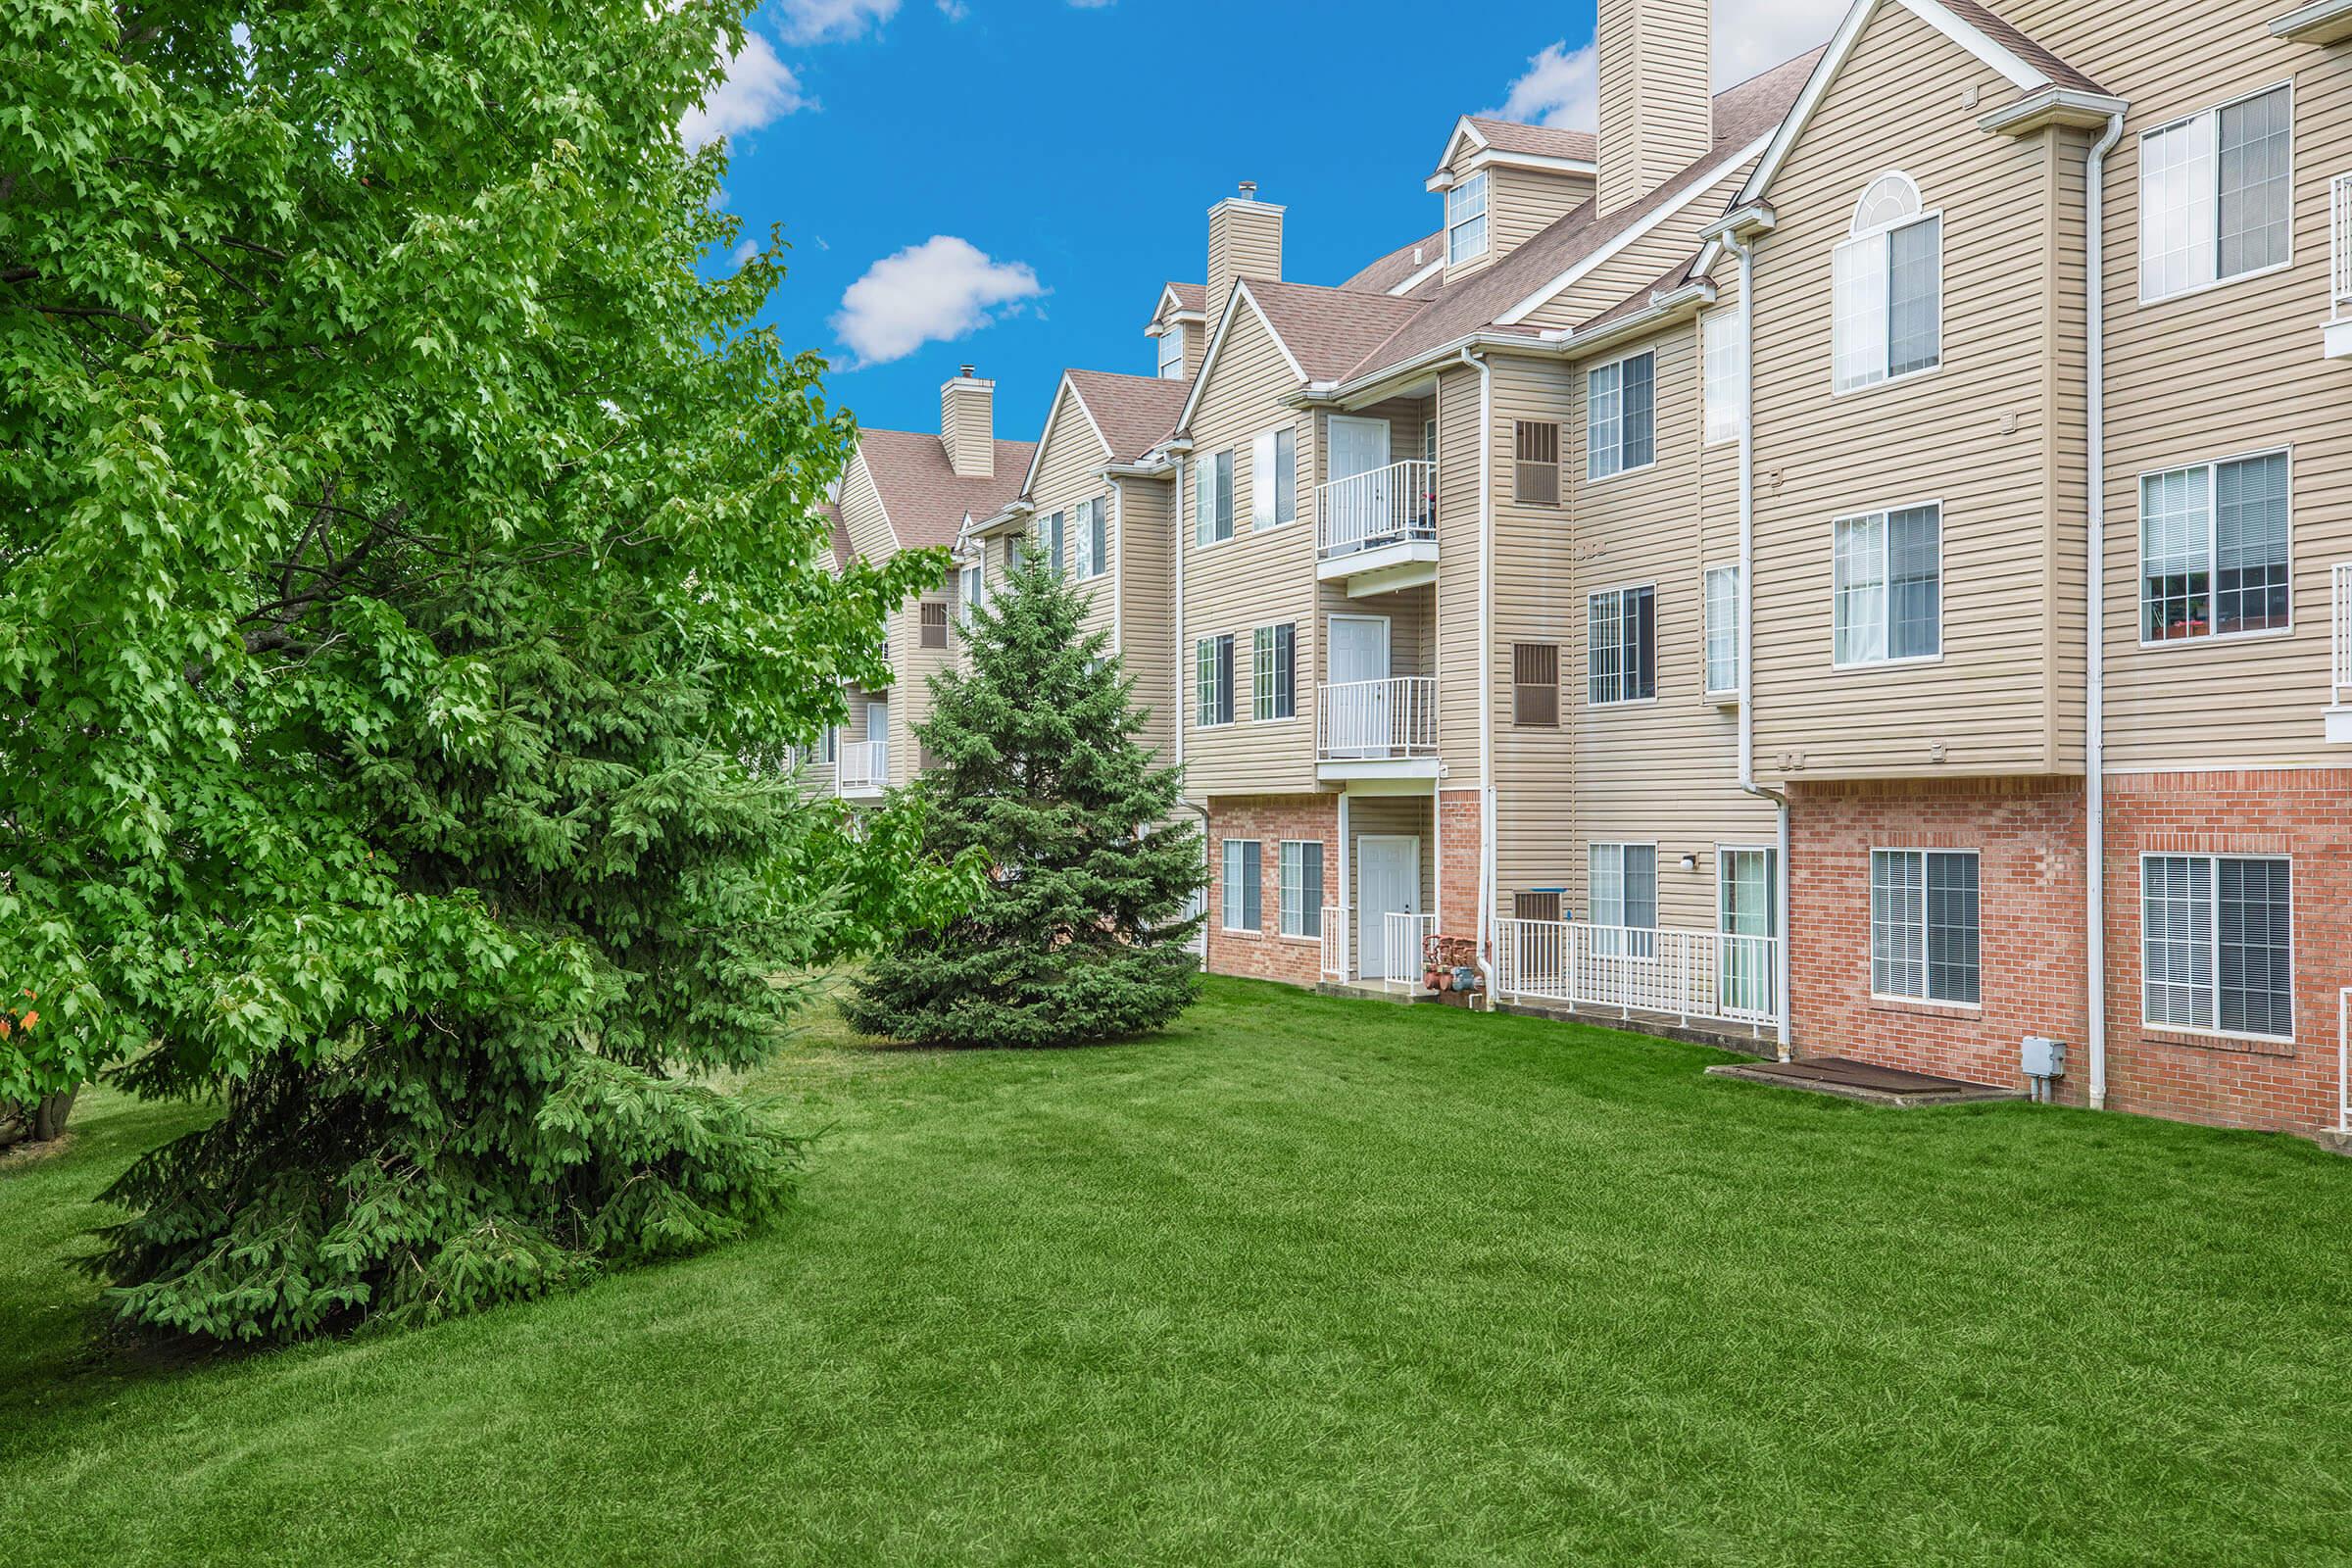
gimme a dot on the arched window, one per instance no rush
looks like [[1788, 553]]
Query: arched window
[[1888, 285]]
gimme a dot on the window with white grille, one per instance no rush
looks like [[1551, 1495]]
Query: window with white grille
[[1300, 873], [1624, 892], [1242, 892], [1466, 221], [1620, 416], [1726, 350], [1886, 282], [1090, 532], [1721, 589], [1212, 670], [1274, 477], [2213, 550], [1050, 539], [1274, 673], [2217, 195], [2217, 949], [1212, 497], [1886, 586], [1924, 925], [1621, 646], [1172, 354]]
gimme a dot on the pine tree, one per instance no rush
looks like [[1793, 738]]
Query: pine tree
[[1083, 928]]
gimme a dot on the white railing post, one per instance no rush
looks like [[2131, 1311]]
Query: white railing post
[[1630, 969], [1404, 946], [2341, 578], [1394, 505], [1376, 720], [2340, 247], [2343, 1061], [1335, 942]]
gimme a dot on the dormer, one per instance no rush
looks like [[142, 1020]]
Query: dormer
[[1179, 331], [1502, 183]]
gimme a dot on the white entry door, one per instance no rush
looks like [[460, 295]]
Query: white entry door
[[1360, 511], [1388, 881], [1359, 696], [877, 741]]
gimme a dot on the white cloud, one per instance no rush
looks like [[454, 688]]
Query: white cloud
[[758, 88], [746, 251], [1562, 86], [831, 21], [934, 292], [954, 9]]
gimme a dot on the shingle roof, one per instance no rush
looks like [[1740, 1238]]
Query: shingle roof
[[1539, 141], [1398, 266], [1329, 329], [926, 500], [1999, 29], [1188, 297], [1134, 413]]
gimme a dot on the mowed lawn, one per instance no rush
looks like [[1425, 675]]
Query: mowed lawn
[[1302, 1280]]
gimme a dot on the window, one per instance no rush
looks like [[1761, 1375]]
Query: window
[[1886, 588], [1621, 646], [2216, 944], [1015, 553], [1172, 354], [1466, 221], [1090, 535], [1243, 890], [1212, 499], [1625, 898], [1535, 473], [1274, 478], [1536, 685], [1050, 531], [1726, 353], [2216, 195], [1213, 681], [1923, 925], [971, 591], [934, 629], [2213, 550], [1620, 414], [1428, 443], [832, 744], [1300, 870], [1888, 316], [1721, 588], [1274, 673]]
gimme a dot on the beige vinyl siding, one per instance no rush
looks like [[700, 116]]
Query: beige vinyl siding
[[1522, 202], [1458, 544], [913, 665], [1403, 817], [2233, 369], [1944, 436], [1069, 471], [1656, 95], [1245, 240], [1147, 590], [1253, 579], [1636, 268], [861, 515]]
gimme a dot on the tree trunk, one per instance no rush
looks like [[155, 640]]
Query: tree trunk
[[39, 1122]]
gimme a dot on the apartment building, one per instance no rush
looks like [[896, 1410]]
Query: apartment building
[[1857, 560]]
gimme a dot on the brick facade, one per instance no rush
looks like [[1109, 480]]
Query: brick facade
[[2028, 834], [2305, 816], [1457, 863], [1265, 953]]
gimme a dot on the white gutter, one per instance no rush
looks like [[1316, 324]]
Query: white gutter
[[2094, 664], [1746, 252], [1485, 670]]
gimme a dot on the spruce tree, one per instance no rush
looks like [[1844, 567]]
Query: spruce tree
[[1081, 932]]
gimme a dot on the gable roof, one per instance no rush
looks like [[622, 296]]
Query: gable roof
[[924, 499], [1393, 272], [1326, 330], [1133, 413], [844, 552], [1180, 299]]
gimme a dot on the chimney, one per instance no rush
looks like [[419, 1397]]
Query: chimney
[[1245, 240], [968, 426], [1656, 104]]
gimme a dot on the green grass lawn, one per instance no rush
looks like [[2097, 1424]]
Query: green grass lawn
[[1302, 1281]]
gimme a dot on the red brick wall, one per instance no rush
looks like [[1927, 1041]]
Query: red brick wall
[[1265, 953], [2305, 816], [2029, 837], [1457, 863]]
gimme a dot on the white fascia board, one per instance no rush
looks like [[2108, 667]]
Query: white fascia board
[[1233, 304]]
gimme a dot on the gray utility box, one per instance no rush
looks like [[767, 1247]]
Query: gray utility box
[[2044, 1058]]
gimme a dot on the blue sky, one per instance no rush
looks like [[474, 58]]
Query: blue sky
[[1006, 183]]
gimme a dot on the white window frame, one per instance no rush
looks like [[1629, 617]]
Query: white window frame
[[1592, 449], [1708, 577], [1887, 589], [1291, 894], [1882, 235], [2212, 114], [1233, 892], [1723, 356], [1926, 967], [1053, 540], [1618, 593], [971, 591], [1208, 646], [2213, 924], [2213, 547], [1266, 640], [1273, 503], [1171, 366], [1090, 517], [1614, 947], [1212, 499], [1461, 194]]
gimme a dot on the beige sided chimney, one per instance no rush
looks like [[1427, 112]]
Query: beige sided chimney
[[1245, 240], [968, 426], [1656, 105]]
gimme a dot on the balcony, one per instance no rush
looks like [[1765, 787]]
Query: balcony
[[2338, 340], [1375, 729], [862, 771], [1684, 975], [1378, 531]]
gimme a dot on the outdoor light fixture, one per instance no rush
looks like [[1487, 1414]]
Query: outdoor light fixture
[[1690, 862]]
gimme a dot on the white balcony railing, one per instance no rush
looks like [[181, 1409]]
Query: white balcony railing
[[1630, 969], [1405, 945], [1391, 505], [1335, 942], [2341, 251], [863, 765], [1376, 720], [2341, 575]]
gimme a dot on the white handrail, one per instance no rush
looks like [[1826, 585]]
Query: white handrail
[[1680, 974], [863, 765], [2340, 249], [1405, 946], [1376, 720], [2341, 577], [1385, 507], [2343, 1061], [1335, 942]]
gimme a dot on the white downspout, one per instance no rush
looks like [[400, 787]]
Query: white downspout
[[2094, 662], [1486, 670], [1196, 808], [1747, 634]]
